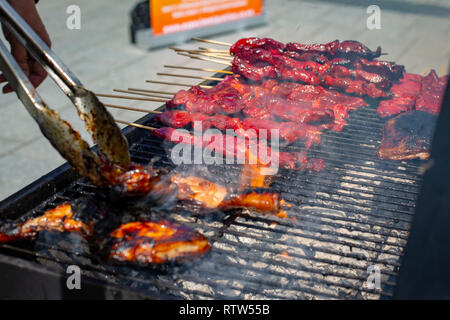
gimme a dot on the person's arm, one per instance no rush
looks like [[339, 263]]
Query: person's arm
[[34, 71]]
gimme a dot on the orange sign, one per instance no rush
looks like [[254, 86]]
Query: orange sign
[[170, 16]]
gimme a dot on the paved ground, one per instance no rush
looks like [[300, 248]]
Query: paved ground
[[414, 33]]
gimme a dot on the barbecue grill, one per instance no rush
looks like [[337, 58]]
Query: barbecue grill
[[346, 224]]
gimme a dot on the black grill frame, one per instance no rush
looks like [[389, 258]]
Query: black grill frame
[[389, 226]]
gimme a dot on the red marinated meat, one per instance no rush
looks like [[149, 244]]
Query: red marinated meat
[[268, 100], [357, 87], [222, 98], [432, 94], [404, 95], [345, 66], [335, 48], [288, 131], [265, 43], [238, 148], [415, 92], [385, 68]]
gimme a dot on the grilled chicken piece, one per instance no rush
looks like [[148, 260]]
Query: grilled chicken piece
[[261, 201], [61, 219], [211, 195], [132, 180], [155, 242], [407, 136]]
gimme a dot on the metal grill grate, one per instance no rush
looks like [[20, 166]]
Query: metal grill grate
[[355, 214]]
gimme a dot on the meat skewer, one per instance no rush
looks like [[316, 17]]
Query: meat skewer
[[334, 48], [269, 100], [237, 148], [359, 82], [345, 65], [246, 128]]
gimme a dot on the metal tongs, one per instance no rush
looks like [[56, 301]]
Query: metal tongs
[[98, 121]]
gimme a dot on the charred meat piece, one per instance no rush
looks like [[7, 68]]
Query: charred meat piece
[[60, 219], [157, 242], [407, 136]]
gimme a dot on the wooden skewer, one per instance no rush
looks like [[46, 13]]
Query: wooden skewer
[[214, 50], [425, 71], [214, 55], [177, 84], [226, 63], [202, 53], [187, 76], [199, 69], [132, 109], [137, 125], [220, 43], [141, 94], [129, 97], [218, 53], [156, 112], [152, 91], [442, 70], [221, 56]]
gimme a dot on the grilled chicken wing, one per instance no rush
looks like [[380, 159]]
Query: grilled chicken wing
[[261, 201], [155, 242], [211, 195], [61, 219]]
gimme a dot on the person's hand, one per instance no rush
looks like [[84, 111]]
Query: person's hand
[[27, 10]]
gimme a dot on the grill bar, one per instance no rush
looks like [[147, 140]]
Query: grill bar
[[355, 214]]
